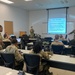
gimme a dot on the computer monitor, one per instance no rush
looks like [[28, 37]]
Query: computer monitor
[[19, 40]]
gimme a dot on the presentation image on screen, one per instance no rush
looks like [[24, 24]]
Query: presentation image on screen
[[57, 21], [57, 26]]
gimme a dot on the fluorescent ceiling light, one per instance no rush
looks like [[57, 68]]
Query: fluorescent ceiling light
[[28, 0], [7, 1]]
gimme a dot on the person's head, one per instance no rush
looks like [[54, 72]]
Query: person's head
[[1, 28], [56, 37], [61, 36], [14, 41], [37, 47], [5, 36], [31, 26]]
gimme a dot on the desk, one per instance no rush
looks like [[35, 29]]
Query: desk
[[67, 50], [8, 71], [31, 43], [25, 51], [62, 62], [32, 39], [67, 46], [59, 61]]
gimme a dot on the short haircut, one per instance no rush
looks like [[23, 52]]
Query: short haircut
[[13, 41], [61, 36], [56, 37], [0, 26], [5, 35], [37, 47]]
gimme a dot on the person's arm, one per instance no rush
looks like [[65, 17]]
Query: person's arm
[[18, 56], [72, 32], [44, 55]]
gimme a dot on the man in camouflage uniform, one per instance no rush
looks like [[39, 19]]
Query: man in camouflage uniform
[[56, 41], [1, 43], [18, 56], [32, 32]]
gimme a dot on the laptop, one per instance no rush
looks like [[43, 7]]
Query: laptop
[[19, 40]]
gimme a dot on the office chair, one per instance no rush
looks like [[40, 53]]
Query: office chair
[[57, 49], [6, 43], [32, 63], [8, 59], [73, 50], [24, 41], [65, 42], [48, 38]]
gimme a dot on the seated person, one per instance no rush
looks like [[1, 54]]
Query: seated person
[[61, 38], [24, 40], [56, 41], [1, 44], [18, 56], [37, 49], [6, 39], [7, 35]]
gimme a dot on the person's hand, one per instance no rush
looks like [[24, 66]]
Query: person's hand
[[21, 52]]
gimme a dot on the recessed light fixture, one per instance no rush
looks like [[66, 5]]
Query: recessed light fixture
[[28, 0], [7, 1]]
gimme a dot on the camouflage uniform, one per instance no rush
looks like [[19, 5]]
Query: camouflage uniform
[[1, 38], [43, 55], [57, 42], [14, 49], [32, 33], [1, 43]]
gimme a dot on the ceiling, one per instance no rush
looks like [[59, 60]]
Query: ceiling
[[42, 4]]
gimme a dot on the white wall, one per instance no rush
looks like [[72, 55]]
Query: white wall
[[19, 17], [22, 19], [38, 19]]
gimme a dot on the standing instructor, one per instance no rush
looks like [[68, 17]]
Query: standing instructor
[[31, 32]]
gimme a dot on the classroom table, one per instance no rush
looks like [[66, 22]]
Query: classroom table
[[61, 62], [9, 71], [67, 50], [58, 61]]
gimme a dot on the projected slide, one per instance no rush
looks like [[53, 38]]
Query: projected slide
[[57, 25]]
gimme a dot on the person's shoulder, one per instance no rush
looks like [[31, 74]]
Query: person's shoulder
[[8, 46], [13, 47], [53, 42]]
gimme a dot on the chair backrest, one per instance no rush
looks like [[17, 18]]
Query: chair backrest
[[7, 43], [9, 59], [57, 49], [48, 38], [64, 42], [73, 50], [32, 62]]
